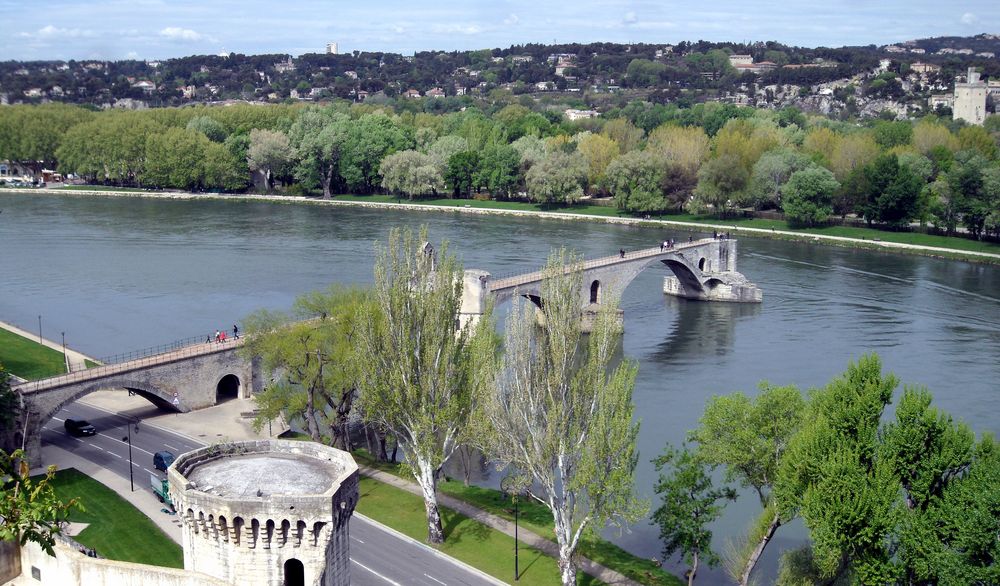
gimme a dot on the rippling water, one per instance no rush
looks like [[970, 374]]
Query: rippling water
[[122, 274]]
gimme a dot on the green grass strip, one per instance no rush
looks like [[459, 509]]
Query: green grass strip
[[27, 358], [857, 232], [469, 541], [117, 530], [536, 517]]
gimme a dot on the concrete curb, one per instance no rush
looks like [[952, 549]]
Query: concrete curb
[[430, 549]]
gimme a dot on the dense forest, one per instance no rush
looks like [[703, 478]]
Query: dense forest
[[714, 158]]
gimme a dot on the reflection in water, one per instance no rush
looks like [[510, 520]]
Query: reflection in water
[[702, 328]]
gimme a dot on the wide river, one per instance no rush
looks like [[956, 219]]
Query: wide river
[[122, 274]]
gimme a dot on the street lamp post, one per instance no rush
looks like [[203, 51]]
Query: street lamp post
[[65, 357], [515, 484], [40, 329], [128, 438]]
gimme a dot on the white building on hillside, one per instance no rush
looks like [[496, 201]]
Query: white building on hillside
[[970, 99]]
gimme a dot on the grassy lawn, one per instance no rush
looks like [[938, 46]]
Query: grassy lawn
[[536, 517], [27, 358], [117, 530], [470, 541]]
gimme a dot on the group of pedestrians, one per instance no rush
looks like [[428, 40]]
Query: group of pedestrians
[[221, 335], [668, 243], [720, 235]]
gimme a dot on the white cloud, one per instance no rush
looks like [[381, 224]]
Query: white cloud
[[51, 32], [630, 17], [969, 18], [176, 33], [512, 19], [457, 29]]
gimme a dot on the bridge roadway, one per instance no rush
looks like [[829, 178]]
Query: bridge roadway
[[379, 558]]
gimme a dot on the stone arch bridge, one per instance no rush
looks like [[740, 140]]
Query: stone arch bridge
[[701, 269], [191, 377]]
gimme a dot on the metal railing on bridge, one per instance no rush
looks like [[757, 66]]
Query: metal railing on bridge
[[161, 349], [198, 348]]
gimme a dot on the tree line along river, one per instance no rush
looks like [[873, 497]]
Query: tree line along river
[[118, 274]]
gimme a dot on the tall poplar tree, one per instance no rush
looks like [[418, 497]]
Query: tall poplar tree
[[421, 370], [562, 415]]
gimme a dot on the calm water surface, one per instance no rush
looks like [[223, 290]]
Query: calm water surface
[[123, 274]]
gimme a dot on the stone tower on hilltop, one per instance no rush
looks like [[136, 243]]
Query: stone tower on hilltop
[[267, 513], [970, 99]]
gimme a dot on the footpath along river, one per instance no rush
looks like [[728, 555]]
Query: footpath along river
[[119, 274]]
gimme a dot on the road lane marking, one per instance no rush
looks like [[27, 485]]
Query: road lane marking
[[118, 440], [171, 447], [116, 455], [435, 579], [389, 580], [356, 539], [148, 470]]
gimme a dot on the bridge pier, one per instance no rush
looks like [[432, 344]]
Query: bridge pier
[[708, 273]]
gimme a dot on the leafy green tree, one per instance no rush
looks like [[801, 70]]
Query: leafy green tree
[[461, 172], [720, 181], [222, 169], [446, 147], [208, 126], [557, 178], [318, 138], [270, 153], [421, 377], [832, 477], [809, 196], [635, 179], [891, 134], [599, 151], [770, 173], [498, 170], [562, 415], [624, 133], [897, 205], [748, 438], [412, 173], [175, 158], [311, 357], [8, 403], [683, 145], [689, 504], [28, 506], [371, 138]]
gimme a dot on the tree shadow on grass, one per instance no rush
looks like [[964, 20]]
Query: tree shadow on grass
[[458, 528]]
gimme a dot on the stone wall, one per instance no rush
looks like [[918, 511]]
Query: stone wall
[[71, 568]]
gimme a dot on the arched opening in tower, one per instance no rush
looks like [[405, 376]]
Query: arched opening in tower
[[595, 292], [228, 388], [295, 573]]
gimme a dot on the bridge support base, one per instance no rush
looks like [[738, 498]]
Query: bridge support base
[[728, 286]]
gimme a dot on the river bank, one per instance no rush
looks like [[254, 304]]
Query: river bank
[[484, 208]]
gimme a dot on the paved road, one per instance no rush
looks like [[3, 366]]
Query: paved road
[[379, 557]]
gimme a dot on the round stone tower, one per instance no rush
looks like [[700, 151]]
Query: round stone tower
[[266, 512]]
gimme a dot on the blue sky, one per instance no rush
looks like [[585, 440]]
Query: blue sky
[[156, 29]]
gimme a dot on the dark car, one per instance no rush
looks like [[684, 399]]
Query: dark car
[[78, 427], [163, 460]]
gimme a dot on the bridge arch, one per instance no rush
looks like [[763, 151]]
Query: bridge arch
[[595, 291], [152, 393], [229, 387], [684, 272]]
